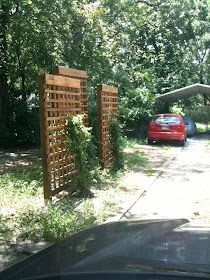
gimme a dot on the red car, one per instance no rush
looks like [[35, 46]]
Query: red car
[[167, 127]]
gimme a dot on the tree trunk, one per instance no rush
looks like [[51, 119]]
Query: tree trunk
[[22, 72], [205, 99], [23, 87], [4, 87]]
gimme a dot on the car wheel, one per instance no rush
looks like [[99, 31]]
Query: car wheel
[[149, 141], [182, 143]]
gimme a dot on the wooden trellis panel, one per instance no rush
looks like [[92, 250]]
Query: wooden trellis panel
[[82, 77], [107, 109], [59, 97]]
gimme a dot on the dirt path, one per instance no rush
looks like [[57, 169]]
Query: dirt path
[[182, 190]]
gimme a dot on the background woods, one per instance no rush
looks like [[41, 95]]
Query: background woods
[[142, 47]]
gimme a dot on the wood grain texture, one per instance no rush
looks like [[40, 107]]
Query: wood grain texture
[[59, 97], [107, 109], [81, 76]]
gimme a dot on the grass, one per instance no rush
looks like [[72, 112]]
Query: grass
[[24, 216], [19, 181], [134, 160], [150, 171], [201, 127], [164, 147], [131, 143], [133, 156]]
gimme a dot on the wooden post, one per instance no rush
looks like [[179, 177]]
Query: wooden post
[[100, 124], [107, 109], [59, 97], [46, 179]]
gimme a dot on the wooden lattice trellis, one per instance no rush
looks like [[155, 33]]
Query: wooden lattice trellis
[[107, 109], [59, 97], [82, 77]]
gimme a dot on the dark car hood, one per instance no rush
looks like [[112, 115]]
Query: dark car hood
[[123, 246]]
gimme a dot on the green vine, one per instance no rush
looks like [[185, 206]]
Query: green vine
[[79, 139], [116, 145]]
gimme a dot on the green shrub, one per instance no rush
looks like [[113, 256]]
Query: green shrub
[[79, 140], [54, 223], [135, 109], [200, 114], [116, 145], [22, 127]]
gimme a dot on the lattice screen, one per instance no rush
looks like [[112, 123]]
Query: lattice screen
[[107, 109], [59, 97], [82, 77]]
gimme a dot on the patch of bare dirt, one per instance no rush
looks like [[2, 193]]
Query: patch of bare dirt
[[19, 159]]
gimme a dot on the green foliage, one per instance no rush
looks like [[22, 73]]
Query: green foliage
[[200, 127], [130, 142], [116, 144], [135, 108], [79, 139], [21, 182], [201, 114], [55, 223], [152, 46], [22, 128]]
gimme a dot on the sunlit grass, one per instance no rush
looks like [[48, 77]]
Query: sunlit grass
[[150, 172], [135, 160], [164, 147], [200, 127], [22, 211], [130, 143], [18, 181]]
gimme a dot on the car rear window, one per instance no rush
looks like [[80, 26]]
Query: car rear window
[[166, 119], [186, 120]]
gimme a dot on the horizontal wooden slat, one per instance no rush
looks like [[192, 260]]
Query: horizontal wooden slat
[[50, 79], [62, 91], [70, 72], [109, 89], [63, 109]]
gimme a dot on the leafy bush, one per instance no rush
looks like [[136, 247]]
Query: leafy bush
[[55, 223], [116, 144], [135, 108], [22, 127], [79, 141], [200, 114]]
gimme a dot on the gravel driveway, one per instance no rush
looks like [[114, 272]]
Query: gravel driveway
[[182, 190]]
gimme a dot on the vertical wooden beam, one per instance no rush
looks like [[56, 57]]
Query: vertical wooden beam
[[100, 121], [46, 179], [107, 109]]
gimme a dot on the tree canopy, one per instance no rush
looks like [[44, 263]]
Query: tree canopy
[[144, 47]]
